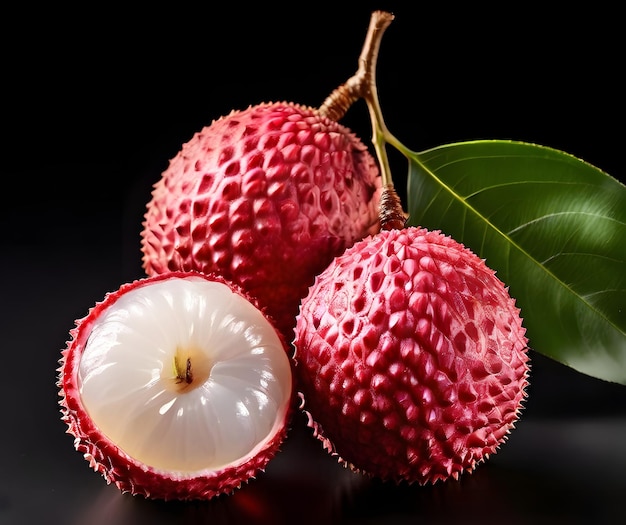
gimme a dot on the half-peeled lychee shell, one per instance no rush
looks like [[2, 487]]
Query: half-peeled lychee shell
[[411, 357], [176, 387]]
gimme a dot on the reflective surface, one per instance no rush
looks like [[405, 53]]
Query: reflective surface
[[87, 138], [565, 462]]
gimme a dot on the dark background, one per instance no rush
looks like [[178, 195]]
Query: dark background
[[95, 102]]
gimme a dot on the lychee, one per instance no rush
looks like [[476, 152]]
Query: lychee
[[265, 197], [411, 357], [176, 386]]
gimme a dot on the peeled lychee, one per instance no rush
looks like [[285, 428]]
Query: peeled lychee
[[265, 197], [411, 357], [176, 387]]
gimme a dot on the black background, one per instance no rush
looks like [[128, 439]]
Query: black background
[[97, 100]]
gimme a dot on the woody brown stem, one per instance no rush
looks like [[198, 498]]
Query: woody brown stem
[[391, 215], [360, 84]]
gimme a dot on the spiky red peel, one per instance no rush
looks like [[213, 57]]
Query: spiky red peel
[[411, 357], [124, 353], [266, 197]]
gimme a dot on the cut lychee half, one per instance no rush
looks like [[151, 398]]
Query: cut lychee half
[[176, 387]]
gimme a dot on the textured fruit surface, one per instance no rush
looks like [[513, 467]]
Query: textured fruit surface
[[176, 387], [266, 197], [411, 357]]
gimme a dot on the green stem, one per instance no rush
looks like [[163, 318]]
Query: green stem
[[392, 214], [363, 85]]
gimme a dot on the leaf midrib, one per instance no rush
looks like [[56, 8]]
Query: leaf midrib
[[415, 157]]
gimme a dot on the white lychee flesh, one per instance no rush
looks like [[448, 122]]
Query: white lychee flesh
[[176, 387]]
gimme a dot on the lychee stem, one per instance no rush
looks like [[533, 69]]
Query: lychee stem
[[185, 374], [391, 215], [363, 85], [182, 373], [339, 101]]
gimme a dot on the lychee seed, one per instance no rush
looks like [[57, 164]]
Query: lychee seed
[[176, 387], [265, 197], [411, 357]]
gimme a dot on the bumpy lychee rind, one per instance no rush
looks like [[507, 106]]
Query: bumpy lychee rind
[[411, 357], [128, 473], [266, 197]]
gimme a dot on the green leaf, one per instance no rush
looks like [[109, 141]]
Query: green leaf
[[554, 229]]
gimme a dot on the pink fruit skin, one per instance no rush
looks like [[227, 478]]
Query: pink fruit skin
[[411, 357], [266, 197], [114, 464]]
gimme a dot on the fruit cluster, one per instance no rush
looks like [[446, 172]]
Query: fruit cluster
[[275, 277]]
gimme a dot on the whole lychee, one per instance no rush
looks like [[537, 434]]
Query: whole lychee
[[411, 357], [265, 197], [176, 387]]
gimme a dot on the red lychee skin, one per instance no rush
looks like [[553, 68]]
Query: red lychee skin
[[117, 467], [266, 197], [411, 357]]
